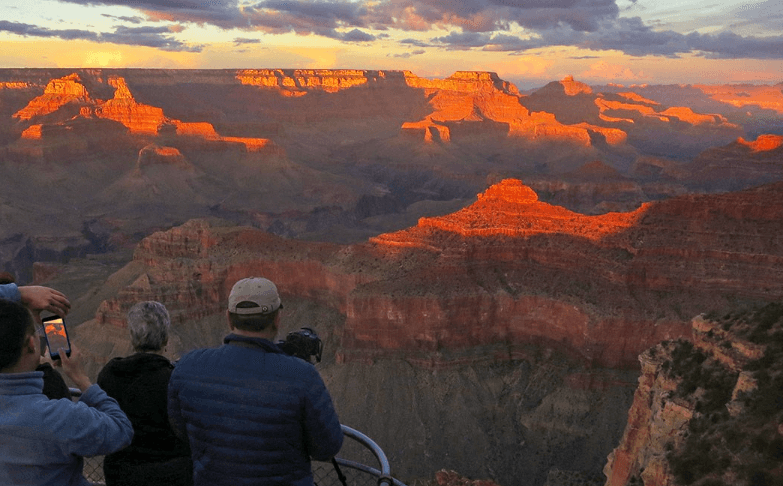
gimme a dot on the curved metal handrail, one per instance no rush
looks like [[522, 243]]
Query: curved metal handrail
[[374, 448]]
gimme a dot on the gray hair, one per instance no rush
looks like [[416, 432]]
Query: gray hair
[[148, 323]]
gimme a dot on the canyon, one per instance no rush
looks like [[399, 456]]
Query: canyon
[[485, 266], [341, 155]]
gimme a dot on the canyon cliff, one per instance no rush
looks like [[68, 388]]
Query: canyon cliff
[[708, 411], [488, 300]]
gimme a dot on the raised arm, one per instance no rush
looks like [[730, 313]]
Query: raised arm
[[38, 298]]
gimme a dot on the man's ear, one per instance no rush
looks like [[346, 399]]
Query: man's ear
[[30, 344], [228, 321]]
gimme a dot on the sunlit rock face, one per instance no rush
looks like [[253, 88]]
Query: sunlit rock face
[[470, 103], [297, 82], [747, 96], [58, 93], [138, 117], [156, 155]]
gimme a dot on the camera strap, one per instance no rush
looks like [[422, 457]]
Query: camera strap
[[251, 342]]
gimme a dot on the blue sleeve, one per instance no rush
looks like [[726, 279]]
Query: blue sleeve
[[10, 292], [323, 433], [96, 425]]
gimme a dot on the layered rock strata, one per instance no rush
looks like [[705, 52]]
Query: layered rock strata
[[486, 281], [58, 93]]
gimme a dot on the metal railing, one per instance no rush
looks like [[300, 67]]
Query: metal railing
[[339, 472]]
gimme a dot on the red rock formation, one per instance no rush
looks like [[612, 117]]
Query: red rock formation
[[765, 97], [740, 163], [463, 82], [154, 154], [58, 93], [200, 130], [763, 143], [474, 102], [573, 88], [205, 132], [14, 85], [637, 98], [139, 118], [33, 132], [605, 105], [490, 279], [683, 113], [298, 82]]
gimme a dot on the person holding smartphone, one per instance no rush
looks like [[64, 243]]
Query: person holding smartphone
[[42, 441], [37, 298]]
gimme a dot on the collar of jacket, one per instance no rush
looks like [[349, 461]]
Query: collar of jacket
[[251, 342]]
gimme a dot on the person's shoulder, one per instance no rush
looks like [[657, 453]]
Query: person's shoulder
[[193, 358]]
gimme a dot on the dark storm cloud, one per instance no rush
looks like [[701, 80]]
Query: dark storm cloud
[[28, 30], [139, 36], [244, 40], [149, 37], [415, 42], [485, 41], [406, 55], [357, 35], [495, 15], [304, 17], [131, 20], [223, 13], [731, 46], [632, 37]]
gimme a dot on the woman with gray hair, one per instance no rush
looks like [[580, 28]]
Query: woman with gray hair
[[139, 383]]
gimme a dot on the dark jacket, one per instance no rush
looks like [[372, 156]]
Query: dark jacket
[[156, 456], [54, 385], [253, 415]]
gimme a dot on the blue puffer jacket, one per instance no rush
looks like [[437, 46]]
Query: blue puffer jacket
[[42, 441], [253, 415]]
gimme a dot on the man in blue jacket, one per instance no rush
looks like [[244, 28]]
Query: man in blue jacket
[[42, 441], [253, 415]]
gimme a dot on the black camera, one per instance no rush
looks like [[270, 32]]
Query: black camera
[[304, 344]]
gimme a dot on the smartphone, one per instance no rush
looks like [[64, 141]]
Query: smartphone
[[56, 336]]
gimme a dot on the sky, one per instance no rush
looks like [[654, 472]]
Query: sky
[[527, 42]]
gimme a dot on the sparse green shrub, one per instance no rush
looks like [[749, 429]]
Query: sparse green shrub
[[716, 446]]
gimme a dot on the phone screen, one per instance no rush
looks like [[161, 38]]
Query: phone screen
[[56, 336]]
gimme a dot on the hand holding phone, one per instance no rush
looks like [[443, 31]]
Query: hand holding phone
[[73, 368], [56, 336]]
